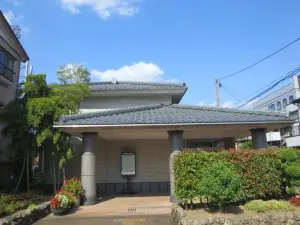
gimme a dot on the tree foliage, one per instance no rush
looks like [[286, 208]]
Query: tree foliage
[[29, 121], [73, 73]]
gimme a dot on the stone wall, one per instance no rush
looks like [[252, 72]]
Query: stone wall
[[28, 216], [179, 217]]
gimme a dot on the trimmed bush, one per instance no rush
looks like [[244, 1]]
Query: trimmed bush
[[261, 206], [220, 184], [260, 172], [188, 170], [290, 164]]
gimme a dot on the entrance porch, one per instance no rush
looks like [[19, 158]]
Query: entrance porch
[[154, 148]]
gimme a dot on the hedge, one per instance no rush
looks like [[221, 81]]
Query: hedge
[[260, 171]]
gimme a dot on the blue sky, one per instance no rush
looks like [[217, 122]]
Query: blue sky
[[162, 40]]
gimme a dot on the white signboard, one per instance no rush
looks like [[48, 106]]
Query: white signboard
[[127, 164]]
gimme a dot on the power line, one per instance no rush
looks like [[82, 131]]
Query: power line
[[266, 86], [254, 64], [288, 75], [228, 91]]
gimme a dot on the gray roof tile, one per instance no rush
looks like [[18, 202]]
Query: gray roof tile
[[171, 114], [132, 86]]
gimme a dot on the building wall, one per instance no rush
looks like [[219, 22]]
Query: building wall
[[152, 165], [265, 103], [8, 88], [93, 104]]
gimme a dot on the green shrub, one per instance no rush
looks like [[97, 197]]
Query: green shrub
[[188, 169], [261, 206], [220, 184], [31, 206], [290, 165], [247, 145], [260, 172], [293, 171], [291, 191], [288, 155]]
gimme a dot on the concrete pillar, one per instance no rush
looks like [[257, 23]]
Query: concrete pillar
[[229, 143], [175, 145], [259, 138], [88, 168]]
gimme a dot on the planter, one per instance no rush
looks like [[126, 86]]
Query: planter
[[77, 200], [60, 211]]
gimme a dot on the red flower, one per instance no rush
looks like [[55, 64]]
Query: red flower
[[55, 203], [295, 200]]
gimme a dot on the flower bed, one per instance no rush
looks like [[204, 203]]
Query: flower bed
[[67, 197], [11, 203]]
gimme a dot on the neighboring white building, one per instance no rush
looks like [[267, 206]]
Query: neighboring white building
[[280, 101]]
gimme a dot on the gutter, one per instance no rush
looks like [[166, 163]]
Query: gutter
[[175, 124]]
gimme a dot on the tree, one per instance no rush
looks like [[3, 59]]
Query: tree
[[73, 73], [49, 103], [29, 121]]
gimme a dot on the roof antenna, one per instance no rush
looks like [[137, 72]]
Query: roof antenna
[[114, 80]]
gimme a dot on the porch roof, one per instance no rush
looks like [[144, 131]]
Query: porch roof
[[175, 114]]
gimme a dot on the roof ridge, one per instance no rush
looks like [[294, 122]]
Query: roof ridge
[[109, 112], [140, 83], [212, 108]]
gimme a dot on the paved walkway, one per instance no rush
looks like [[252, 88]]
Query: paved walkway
[[127, 210], [129, 220]]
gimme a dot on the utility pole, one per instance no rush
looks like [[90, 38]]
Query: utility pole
[[217, 87]]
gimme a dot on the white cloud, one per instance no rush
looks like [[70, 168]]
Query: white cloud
[[11, 17], [201, 103], [226, 104], [104, 8], [140, 71]]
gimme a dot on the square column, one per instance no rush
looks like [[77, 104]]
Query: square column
[[175, 145], [88, 168], [259, 138]]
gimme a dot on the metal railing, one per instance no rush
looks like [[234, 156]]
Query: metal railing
[[6, 72]]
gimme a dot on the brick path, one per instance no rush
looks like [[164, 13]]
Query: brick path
[[127, 210]]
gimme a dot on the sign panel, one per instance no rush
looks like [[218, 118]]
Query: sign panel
[[128, 164]]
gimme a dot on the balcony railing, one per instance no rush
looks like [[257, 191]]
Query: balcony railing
[[6, 72]]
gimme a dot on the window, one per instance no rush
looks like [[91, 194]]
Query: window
[[272, 107], [284, 103], [278, 106], [1, 62], [7, 64], [291, 98]]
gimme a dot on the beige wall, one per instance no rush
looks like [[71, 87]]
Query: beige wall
[[152, 161]]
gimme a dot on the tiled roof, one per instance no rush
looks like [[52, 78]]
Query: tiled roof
[[133, 86], [172, 114]]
